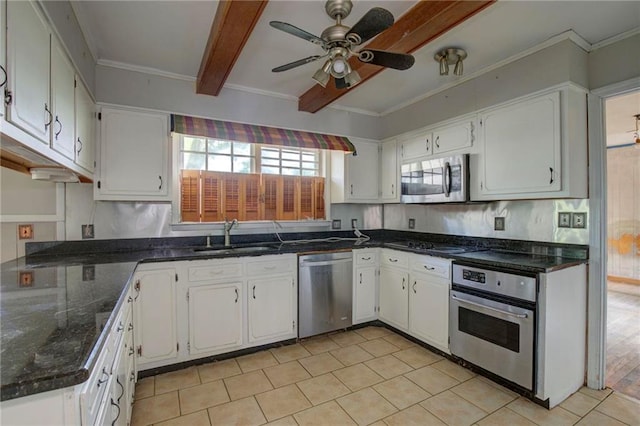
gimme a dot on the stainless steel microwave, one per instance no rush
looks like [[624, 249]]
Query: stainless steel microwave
[[439, 180]]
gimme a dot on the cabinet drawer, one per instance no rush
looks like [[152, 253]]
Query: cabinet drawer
[[431, 265], [363, 258], [214, 270], [395, 258], [272, 265], [93, 393]]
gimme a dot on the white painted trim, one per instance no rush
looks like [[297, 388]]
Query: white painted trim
[[261, 92], [355, 110], [615, 39], [567, 35], [57, 217], [144, 70], [597, 296], [260, 225]]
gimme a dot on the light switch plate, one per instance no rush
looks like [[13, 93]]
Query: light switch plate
[[564, 220], [354, 223], [579, 220], [498, 223], [336, 224], [412, 223], [25, 232]]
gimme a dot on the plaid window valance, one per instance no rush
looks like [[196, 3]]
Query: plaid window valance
[[240, 132]]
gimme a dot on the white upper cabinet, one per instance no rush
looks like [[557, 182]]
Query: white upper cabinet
[[28, 53], [389, 173], [417, 146], [534, 147], [454, 137], [354, 179], [85, 127], [134, 152], [62, 101]]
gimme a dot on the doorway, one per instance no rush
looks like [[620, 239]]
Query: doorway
[[623, 243]]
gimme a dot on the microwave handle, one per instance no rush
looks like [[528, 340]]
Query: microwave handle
[[447, 179]]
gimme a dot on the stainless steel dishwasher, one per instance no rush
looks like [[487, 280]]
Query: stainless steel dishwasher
[[325, 292]]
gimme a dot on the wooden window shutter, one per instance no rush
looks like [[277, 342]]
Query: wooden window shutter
[[270, 196], [212, 197], [250, 199], [231, 197], [318, 194], [307, 198], [190, 196], [288, 204]]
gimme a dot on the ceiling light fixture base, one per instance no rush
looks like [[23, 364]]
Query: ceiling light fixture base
[[450, 56]]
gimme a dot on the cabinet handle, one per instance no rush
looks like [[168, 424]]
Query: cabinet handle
[[393, 260], [427, 144], [79, 146], [130, 327], [237, 295], [414, 287], [131, 351], [393, 189], [429, 268], [120, 327], [46, 108], [132, 376], [104, 373], [160, 177], [117, 415], [351, 189], [403, 280], [360, 277], [402, 150], [4, 72], [121, 389], [551, 173], [366, 258], [129, 299], [437, 142], [254, 291], [8, 97], [59, 131], [473, 136]]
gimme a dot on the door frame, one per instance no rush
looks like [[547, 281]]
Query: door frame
[[597, 290]]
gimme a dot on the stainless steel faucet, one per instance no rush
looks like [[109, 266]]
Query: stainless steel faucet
[[227, 231]]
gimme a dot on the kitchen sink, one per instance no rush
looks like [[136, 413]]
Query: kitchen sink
[[232, 250]]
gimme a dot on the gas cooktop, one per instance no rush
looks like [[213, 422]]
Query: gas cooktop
[[429, 247]]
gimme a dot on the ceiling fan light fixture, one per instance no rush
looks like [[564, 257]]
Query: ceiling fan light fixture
[[352, 78], [322, 75], [450, 56], [444, 66], [458, 69], [340, 67]]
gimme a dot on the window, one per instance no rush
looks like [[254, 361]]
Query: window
[[223, 179]]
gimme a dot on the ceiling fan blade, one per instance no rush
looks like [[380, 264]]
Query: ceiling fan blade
[[373, 22], [297, 63], [399, 61], [293, 30]]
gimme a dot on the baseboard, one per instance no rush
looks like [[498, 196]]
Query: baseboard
[[624, 280]]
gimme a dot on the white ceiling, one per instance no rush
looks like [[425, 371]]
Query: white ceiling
[[170, 36], [620, 121]]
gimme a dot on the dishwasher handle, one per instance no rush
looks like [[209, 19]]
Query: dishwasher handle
[[311, 263]]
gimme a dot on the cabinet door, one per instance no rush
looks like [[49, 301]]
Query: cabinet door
[[85, 127], [429, 310], [394, 297], [453, 137], [417, 146], [215, 317], [389, 172], [155, 313], [521, 143], [118, 412], [62, 101], [133, 155], [272, 308], [362, 173], [364, 305], [28, 48]]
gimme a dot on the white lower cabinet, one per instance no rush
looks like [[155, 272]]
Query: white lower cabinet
[[365, 285], [414, 295], [154, 292], [215, 317], [272, 308]]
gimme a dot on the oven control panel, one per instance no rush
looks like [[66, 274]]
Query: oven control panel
[[496, 282]]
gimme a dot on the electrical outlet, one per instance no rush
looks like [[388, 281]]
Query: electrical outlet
[[412, 223], [25, 232], [498, 223], [354, 223], [26, 279], [87, 232], [336, 224], [579, 220], [88, 272], [564, 220]]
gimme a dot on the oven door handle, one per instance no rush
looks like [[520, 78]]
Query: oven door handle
[[489, 308]]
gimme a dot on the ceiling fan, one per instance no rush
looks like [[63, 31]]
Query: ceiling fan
[[338, 42]]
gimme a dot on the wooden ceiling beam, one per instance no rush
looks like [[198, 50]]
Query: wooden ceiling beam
[[230, 30], [421, 24]]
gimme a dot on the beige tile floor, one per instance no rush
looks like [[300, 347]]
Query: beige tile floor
[[365, 376]]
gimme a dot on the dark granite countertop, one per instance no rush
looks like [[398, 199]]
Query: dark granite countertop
[[51, 328]]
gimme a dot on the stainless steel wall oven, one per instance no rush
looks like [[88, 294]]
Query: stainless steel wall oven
[[492, 317]]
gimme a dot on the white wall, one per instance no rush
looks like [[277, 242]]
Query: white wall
[[614, 62]]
